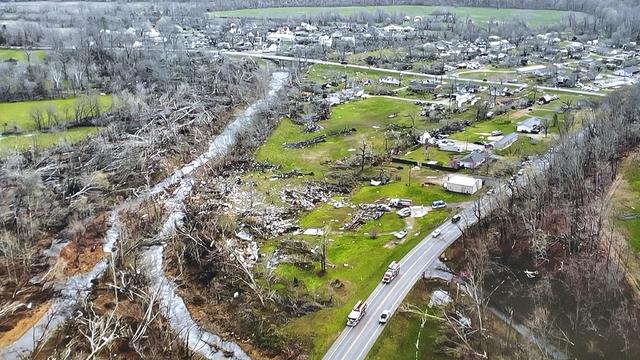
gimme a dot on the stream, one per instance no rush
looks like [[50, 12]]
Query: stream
[[75, 290]]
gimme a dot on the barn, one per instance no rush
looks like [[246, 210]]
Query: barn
[[462, 184]]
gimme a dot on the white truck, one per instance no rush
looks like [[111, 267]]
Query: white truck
[[392, 271], [356, 313]]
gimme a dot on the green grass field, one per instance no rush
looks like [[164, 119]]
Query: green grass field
[[627, 200], [479, 15], [359, 278], [398, 339], [362, 273], [43, 140], [368, 116], [18, 114], [21, 55]]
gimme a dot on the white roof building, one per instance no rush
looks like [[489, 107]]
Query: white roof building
[[463, 184]]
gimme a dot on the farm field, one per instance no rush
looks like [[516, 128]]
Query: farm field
[[20, 55], [17, 115], [478, 15], [41, 140]]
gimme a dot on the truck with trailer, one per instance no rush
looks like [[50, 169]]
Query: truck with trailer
[[357, 313], [392, 271]]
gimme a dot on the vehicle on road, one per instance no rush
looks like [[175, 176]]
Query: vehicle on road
[[456, 218], [438, 204], [436, 233], [520, 172], [357, 313], [384, 317], [392, 271]]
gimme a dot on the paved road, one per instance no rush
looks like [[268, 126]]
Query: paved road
[[410, 73], [354, 343]]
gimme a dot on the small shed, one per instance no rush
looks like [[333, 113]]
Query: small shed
[[462, 184]]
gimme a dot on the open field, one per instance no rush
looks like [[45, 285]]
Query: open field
[[20, 55], [369, 117], [478, 15], [627, 201], [359, 278], [44, 140], [398, 340], [356, 274], [18, 114]]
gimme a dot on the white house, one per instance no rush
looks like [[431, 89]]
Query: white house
[[389, 80], [447, 145], [529, 125], [463, 184]]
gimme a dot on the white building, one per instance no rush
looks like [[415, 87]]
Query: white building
[[389, 80], [462, 184], [529, 125]]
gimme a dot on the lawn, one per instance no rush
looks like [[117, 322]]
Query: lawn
[[360, 277], [44, 140], [431, 153], [482, 129], [421, 195], [369, 117], [359, 58], [479, 15], [18, 114], [398, 339], [525, 146], [20, 55], [627, 200]]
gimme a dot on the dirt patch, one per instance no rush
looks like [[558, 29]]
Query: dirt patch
[[78, 259], [24, 324]]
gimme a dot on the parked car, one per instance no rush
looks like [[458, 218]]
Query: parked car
[[520, 172], [456, 218], [384, 317], [496, 133], [436, 233], [438, 204], [400, 234], [404, 212]]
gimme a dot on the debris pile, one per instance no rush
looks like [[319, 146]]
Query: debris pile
[[270, 222], [305, 199], [366, 213], [290, 174], [318, 139], [306, 143]]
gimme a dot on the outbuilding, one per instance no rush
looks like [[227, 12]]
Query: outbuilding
[[505, 142], [463, 184]]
